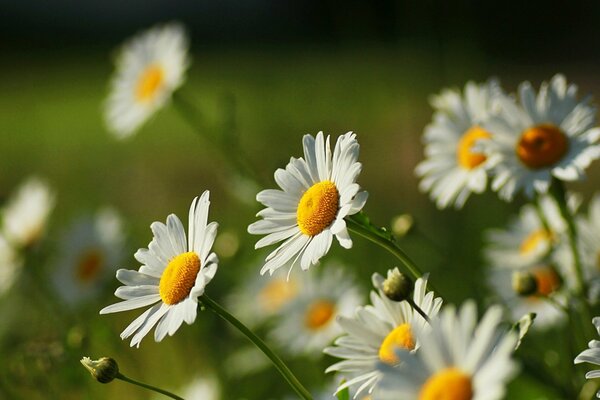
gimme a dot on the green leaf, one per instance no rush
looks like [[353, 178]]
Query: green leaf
[[343, 394]]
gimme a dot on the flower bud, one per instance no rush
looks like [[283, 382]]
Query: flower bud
[[524, 283], [103, 370], [397, 286]]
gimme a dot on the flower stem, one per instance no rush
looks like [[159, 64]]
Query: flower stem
[[149, 387], [279, 364], [418, 309]]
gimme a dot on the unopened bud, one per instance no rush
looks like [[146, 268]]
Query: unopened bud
[[524, 283], [103, 370], [397, 286], [402, 224]]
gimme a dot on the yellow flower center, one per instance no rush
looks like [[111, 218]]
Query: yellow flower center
[[547, 280], [149, 83], [318, 314], [542, 146], [400, 338], [89, 265], [467, 158], [533, 240], [276, 293], [179, 277], [447, 384], [318, 207]]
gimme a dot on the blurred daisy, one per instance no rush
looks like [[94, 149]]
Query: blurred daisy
[[202, 388], [149, 67], [458, 360], [308, 323], [173, 275], [591, 355], [10, 265], [90, 250], [27, 211], [548, 135], [453, 169], [376, 331], [317, 194]]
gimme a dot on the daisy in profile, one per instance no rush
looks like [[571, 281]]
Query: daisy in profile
[[317, 193], [374, 333], [174, 273], [26, 213], [10, 265], [149, 68], [548, 135], [308, 323], [90, 249], [453, 168], [591, 355], [459, 359]]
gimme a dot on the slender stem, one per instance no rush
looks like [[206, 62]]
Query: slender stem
[[279, 364], [418, 309], [149, 387]]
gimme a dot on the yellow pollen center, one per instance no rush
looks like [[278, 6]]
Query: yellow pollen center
[[149, 83], [542, 146], [400, 338], [179, 277], [276, 293], [533, 240], [89, 265], [317, 208], [467, 158], [547, 280], [318, 314], [447, 384]]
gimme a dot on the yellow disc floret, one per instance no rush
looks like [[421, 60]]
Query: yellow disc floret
[[467, 158], [542, 146], [179, 277], [547, 280], [535, 239], [400, 338], [447, 384], [276, 294], [319, 314], [318, 207], [149, 83], [89, 265]]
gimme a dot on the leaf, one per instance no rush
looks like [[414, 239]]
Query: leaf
[[522, 327]]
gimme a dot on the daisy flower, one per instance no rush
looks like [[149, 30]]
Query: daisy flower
[[90, 249], [453, 169], [376, 331], [547, 135], [149, 67], [10, 265], [173, 275], [458, 360], [27, 211], [317, 193], [308, 323], [591, 355]]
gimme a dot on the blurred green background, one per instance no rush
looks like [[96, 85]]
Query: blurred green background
[[275, 71]]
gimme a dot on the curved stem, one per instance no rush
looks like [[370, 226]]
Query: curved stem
[[279, 364], [149, 387]]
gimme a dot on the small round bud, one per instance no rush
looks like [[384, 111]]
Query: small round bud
[[402, 224], [524, 283], [103, 370], [397, 286]]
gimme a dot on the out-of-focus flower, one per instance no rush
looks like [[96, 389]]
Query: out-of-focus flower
[[149, 67], [10, 265], [205, 387], [316, 194], [174, 273]]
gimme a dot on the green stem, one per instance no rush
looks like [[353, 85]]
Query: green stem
[[149, 387], [418, 309], [279, 364]]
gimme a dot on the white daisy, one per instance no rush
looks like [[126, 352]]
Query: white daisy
[[308, 323], [27, 211], [453, 169], [10, 265], [90, 250], [318, 192], [173, 275], [545, 136], [591, 355], [458, 360], [377, 330], [149, 67]]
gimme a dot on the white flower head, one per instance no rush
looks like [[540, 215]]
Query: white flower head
[[459, 359], [376, 331], [548, 135], [174, 272], [591, 354], [454, 168], [317, 193], [149, 67]]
